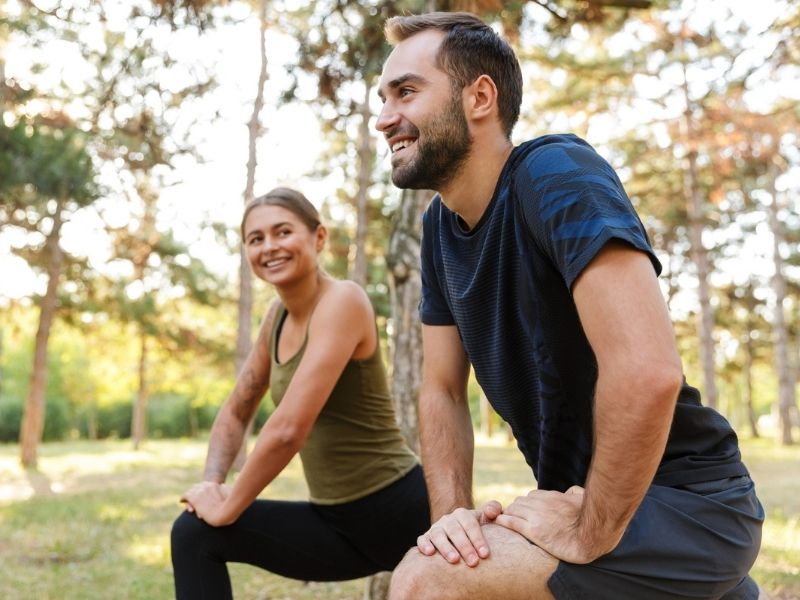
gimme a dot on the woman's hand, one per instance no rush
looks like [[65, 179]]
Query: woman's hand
[[207, 500]]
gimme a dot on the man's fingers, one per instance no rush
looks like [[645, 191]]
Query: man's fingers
[[441, 540], [475, 542], [456, 536], [425, 546], [514, 523], [490, 511]]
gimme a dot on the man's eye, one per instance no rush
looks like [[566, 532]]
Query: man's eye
[[404, 92]]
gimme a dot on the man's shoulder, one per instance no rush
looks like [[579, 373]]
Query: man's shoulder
[[554, 154]]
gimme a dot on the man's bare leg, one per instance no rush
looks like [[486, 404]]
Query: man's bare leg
[[516, 569]]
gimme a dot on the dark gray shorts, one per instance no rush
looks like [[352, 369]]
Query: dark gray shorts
[[698, 541]]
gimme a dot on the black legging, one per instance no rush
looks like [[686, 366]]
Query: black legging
[[301, 540]]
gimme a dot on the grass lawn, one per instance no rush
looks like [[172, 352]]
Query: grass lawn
[[93, 522]]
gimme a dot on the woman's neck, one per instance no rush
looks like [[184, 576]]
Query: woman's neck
[[301, 298]]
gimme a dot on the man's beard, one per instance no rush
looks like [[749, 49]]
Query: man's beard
[[440, 153]]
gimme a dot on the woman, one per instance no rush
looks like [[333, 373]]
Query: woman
[[318, 353]]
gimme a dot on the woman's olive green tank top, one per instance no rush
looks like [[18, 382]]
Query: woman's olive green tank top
[[355, 446]]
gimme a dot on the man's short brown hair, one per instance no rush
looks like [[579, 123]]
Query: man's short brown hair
[[469, 49]]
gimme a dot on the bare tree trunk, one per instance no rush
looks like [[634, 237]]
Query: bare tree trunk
[[139, 421], [33, 418], [787, 402], [91, 419], [194, 426], [699, 256], [405, 289], [405, 333], [487, 422], [748, 383], [365, 158], [244, 339]]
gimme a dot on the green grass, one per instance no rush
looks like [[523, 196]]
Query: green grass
[[102, 530]]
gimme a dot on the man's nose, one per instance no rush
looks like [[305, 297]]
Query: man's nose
[[387, 118]]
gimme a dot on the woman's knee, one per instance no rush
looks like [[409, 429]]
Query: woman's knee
[[187, 533]]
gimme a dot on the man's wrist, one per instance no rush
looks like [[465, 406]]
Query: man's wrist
[[598, 538], [214, 475]]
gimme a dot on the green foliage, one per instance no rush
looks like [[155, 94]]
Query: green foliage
[[10, 419], [38, 164], [91, 385]]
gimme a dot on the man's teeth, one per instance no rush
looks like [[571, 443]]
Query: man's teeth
[[277, 261], [402, 144]]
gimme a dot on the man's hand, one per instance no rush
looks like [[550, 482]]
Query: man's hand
[[206, 499], [552, 521], [458, 535]]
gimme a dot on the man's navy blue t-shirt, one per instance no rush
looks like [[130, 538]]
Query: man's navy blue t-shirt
[[506, 285]]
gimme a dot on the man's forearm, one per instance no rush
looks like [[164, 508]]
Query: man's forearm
[[631, 429], [447, 448]]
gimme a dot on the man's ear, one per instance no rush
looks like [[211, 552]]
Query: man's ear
[[481, 98]]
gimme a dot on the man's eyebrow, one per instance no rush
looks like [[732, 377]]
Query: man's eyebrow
[[403, 79]]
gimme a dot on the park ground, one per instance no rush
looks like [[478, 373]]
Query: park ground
[[93, 522]]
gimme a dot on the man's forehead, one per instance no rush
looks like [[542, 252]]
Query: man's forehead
[[414, 56]]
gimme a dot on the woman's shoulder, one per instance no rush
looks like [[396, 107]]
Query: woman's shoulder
[[344, 299], [346, 290]]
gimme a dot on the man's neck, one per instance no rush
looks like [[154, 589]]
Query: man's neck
[[469, 193]]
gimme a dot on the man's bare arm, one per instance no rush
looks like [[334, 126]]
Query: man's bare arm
[[447, 446], [446, 439], [639, 377]]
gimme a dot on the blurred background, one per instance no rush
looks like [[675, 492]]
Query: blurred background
[[133, 132]]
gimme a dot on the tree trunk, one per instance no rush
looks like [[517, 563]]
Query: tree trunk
[[33, 418], [365, 159], [194, 426], [748, 383], [91, 419], [244, 334], [406, 333], [487, 421], [699, 256], [139, 421], [787, 401], [405, 337]]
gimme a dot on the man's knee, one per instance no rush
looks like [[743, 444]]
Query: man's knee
[[515, 569], [416, 578]]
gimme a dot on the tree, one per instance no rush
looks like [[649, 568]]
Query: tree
[[46, 175], [342, 50], [255, 129], [131, 107]]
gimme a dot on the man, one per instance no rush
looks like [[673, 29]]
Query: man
[[538, 273]]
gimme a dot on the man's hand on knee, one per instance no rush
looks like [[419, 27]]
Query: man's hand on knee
[[551, 520], [458, 535]]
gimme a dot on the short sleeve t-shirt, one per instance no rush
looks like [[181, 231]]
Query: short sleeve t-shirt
[[506, 285]]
